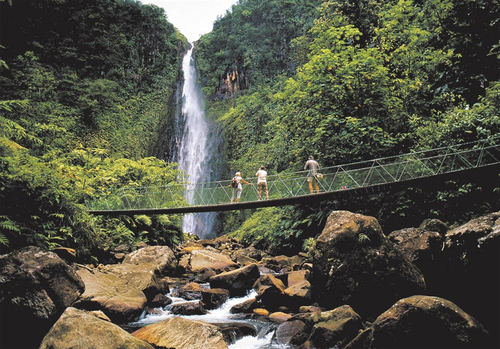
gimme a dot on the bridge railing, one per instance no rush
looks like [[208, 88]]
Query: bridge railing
[[292, 184]]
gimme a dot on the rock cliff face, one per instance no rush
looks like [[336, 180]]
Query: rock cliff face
[[231, 82]]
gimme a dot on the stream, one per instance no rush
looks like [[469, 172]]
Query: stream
[[264, 329]]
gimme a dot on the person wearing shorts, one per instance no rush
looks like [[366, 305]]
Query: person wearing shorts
[[262, 182], [312, 168]]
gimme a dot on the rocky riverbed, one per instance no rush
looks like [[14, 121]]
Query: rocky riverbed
[[423, 287]]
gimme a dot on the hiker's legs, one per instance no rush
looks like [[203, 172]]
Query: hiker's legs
[[238, 194], [316, 184], [267, 192], [310, 183]]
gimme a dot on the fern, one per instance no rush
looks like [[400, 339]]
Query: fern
[[3, 240], [144, 220], [7, 224]]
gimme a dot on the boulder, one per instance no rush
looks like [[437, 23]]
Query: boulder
[[261, 311], [245, 307], [279, 316], [434, 225], [471, 261], [426, 322], [279, 263], [287, 331], [79, 329], [202, 260], [161, 257], [205, 276], [123, 290], [338, 328], [299, 288], [181, 333], [237, 281], [214, 298], [233, 331], [246, 256], [270, 291], [355, 264], [419, 246], [190, 291], [188, 308], [35, 288], [159, 301]]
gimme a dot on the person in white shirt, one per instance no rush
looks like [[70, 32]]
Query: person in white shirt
[[312, 168], [237, 188], [262, 182]]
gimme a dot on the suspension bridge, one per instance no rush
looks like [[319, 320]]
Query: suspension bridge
[[290, 188]]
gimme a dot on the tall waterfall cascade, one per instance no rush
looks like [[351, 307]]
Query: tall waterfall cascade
[[196, 145]]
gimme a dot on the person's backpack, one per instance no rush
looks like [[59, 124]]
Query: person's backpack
[[235, 182]]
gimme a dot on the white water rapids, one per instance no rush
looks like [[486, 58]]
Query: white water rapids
[[219, 315]]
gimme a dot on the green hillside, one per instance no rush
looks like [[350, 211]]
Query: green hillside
[[369, 79], [85, 94]]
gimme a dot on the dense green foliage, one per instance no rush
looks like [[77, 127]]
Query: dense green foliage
[[253, 40], [373, 78], [85, 87]]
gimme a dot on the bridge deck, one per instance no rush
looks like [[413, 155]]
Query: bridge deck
[[292, 188]]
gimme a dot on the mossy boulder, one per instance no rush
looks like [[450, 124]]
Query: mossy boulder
[[355, 264]]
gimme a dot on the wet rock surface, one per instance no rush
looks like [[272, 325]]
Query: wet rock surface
[[181, 333], [356, 289]]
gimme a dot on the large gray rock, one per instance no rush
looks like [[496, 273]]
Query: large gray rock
[[237, 281], [121, 291], [355, 264], [426, 322], [35, 288], [161, 256], [287, 331], [79, 329], [199, 260], [181, 333]]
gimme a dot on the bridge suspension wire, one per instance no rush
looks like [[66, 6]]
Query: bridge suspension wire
[[284, 187]]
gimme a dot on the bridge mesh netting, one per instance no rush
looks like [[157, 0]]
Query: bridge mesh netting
[[368, 173]]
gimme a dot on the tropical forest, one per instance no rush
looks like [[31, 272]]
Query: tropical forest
[[94, 101]]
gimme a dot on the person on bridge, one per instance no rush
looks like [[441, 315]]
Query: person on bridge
[[237, 187], [312, 168], [262, 182]]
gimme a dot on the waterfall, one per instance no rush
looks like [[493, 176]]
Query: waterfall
[[197, 141]]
